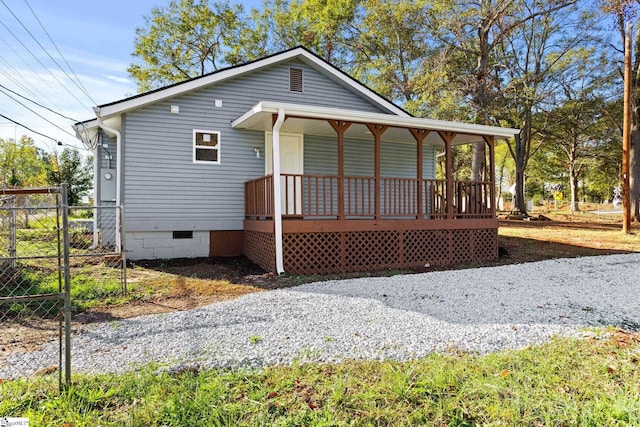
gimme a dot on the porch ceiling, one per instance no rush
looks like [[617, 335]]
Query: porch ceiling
[[312, 120]]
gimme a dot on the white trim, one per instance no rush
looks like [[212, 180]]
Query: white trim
[[204, 147], [277, 192], [191, 85], [314, 112]]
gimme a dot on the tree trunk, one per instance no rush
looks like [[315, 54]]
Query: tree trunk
[[481, 100], [573, 184], [519, 205], [478, 161]]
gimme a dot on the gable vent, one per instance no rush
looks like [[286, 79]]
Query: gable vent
[[295, 79]]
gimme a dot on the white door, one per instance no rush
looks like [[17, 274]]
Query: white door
[[291, 162]]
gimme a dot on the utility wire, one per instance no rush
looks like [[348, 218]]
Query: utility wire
[[29, 129], [14, 80], [40, 62], [24, 79], [38, 104], [38, 114], [82, 87]]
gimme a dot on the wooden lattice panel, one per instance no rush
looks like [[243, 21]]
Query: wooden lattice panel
[[339, 252], [371, 250], [317, 253], [462, 246], [260, 248], [486, 244], [426, 247]]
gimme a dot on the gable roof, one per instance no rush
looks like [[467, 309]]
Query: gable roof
[[118, 107]]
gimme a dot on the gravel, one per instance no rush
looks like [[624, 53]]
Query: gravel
[[401, 317]]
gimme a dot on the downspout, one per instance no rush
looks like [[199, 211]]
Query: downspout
[[96, 183], [277, 190], [118, 175]]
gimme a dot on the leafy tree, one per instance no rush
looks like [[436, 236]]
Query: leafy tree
[[509, 51], [626, 11], [573, 139], [319, 25], [22, 164], [67, 167], [389, 42], [541, 53], [187, 38], [576, 130]]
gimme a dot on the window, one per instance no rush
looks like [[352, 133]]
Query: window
[[295, 79], [206, 146]]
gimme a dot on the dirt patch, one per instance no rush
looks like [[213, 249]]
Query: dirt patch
[[25, 335]]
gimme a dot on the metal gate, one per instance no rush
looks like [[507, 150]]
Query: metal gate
[[34, 278], [51, 263]]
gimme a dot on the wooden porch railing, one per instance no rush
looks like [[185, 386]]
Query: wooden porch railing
[[316, 196], [258, 198]]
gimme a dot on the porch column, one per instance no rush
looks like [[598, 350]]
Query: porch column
[[492, 171], [377, 131], [420, 135], [447, 137], [277, 191], [340, 127]]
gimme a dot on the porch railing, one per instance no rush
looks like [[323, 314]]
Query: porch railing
[[318, 196], [258, 198]]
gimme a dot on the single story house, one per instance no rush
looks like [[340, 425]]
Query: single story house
[[293, 163]]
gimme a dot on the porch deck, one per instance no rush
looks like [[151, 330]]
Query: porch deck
[[361, 223]]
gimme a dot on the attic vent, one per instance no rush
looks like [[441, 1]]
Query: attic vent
[[295, 79]]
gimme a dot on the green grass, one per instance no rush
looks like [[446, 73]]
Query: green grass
[[92, 285], [590, 382]]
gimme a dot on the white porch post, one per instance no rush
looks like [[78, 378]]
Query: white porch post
[[277, 190]]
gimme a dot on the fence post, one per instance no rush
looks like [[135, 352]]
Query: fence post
[[67, 284], [123, 253], [13, 225]]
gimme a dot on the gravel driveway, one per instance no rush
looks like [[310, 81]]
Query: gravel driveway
[[400, 317]]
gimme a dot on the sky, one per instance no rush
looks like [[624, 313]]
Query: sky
[[96, 40]]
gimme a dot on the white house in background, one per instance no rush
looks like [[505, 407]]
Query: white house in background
[[293, 163]]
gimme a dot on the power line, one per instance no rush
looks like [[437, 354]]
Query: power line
[[41, 63], [38, 104], [30, 67], [82, 87], [29, 129], [37, 114], [14, 80]]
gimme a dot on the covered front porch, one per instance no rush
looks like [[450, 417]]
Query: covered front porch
[[395, 217]]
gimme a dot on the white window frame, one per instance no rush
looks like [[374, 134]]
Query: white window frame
[[206, 147]]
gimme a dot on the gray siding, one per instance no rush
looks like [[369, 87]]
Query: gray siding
[[164, 190], [398, 159]]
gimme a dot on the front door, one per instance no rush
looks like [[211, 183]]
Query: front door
[[291, 163]]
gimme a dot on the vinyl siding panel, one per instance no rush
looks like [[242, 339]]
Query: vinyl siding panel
[[164, 190], [398, 159]]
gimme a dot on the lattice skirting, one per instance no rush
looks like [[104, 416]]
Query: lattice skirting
[[260, 248], [339, 252]]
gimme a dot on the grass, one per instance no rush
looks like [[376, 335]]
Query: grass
[[565, 382]]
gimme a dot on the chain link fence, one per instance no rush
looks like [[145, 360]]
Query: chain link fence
[[55, 261]]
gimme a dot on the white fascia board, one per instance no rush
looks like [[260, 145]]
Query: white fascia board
[[312, 112], [181, 88]]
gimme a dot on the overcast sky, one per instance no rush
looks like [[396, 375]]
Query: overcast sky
[[95, 38]]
